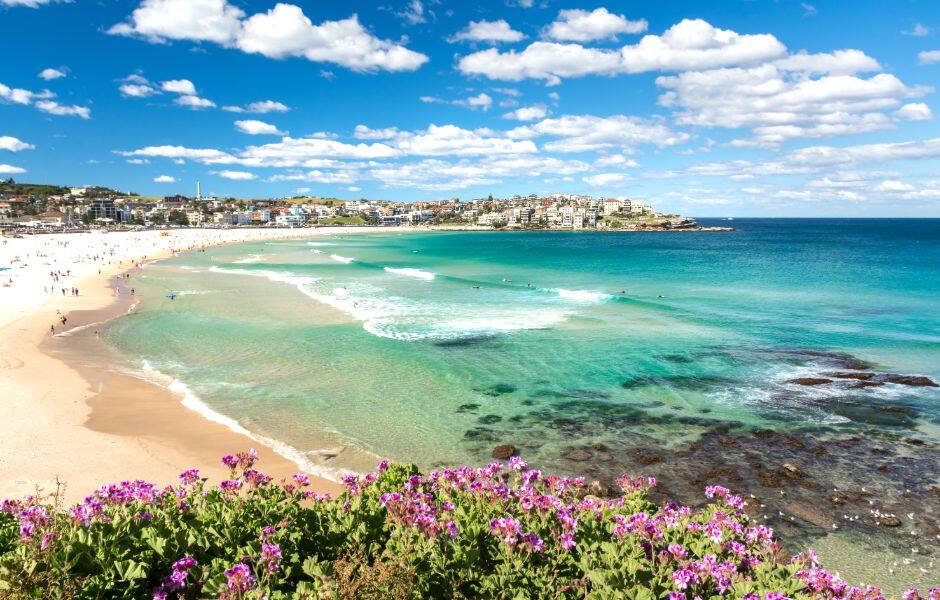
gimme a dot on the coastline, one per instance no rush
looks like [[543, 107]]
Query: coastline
[[71, 418]]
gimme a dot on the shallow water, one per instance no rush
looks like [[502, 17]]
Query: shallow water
[[591, 352]]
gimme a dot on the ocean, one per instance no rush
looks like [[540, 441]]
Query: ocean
[[672, 354]]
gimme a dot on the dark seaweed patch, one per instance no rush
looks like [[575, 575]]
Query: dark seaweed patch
[[499, 389], [465, 408]]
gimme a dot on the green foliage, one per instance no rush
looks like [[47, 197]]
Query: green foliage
[[464, 533]]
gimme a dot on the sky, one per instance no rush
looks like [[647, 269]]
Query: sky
[[706, 108]]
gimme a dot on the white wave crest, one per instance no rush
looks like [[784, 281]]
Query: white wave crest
[[191, 401], [253, 258], [582, 295], [410, 272], [320, 244], [341, 259]]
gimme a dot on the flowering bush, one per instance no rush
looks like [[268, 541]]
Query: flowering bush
[[492, 532]]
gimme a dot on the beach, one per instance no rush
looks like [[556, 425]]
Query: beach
[[70, 417]]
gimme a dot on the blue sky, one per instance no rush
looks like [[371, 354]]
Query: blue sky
[[760, 107]]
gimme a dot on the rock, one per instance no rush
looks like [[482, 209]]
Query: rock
[[726, 441], [886, 520], [849, 375], [867, 384], [648, 459], [837, 498], [504, 451], [791, 471], [598, 488], [808, 514], [768, 479], [577, 454], [810, 381], [599, 447], [911, 380]]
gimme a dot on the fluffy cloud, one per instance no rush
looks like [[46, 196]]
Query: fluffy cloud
[[138, 90], [784, 100], [49, 74], [260, 108], [438, 175], [194, 102], [197, 20], [915, 111], [10, 170], [584, 26], [487, 31], [444, 140], [255, 127], [318, 176], [281, 32], [688, 45], [54, 108], [580, 133], [236, 175], [179, 86], [164, 179], [483, 101], [527, 113], [13, 144], [365, 133], [929, 57]]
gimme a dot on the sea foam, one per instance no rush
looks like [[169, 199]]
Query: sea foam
[[582, 295], [410, 272], [191, 401], [341, 259]]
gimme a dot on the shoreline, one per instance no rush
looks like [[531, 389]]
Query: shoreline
[[71, 416]]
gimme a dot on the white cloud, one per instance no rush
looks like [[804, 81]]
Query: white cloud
[[365, 133], [164, 179], [580, 133], [254, 127], [261, 108], [915, 111], [54, 108], [483, 101], [782, 101], [285, 31], [138, 161], [179, 86], [441, 140], [318, 176], [236, 175], [194, 102], [278, 33], [197, 20], [584, 26], [29, 3], [610, 160], [11, 170], [604, 179], [928, 57], [688, 45], [487, 31], [13, 144], [528, 113], [138, 90], [17, 95], [49, 74]]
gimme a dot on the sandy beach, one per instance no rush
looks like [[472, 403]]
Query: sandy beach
[[71, 418]]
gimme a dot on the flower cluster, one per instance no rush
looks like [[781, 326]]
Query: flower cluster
[[490, 531]]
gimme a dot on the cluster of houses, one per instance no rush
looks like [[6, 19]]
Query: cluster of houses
[[80, 207]]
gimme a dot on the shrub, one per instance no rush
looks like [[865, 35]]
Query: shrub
[[492, 532]]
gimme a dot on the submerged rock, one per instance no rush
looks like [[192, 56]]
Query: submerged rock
[[911, 380], [810, 381], [504, 451]]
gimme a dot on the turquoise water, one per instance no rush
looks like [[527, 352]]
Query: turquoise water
[[588, 351]]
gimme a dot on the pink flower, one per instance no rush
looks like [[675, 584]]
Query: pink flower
[[683, 577], [189, 476], [240, 578]]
